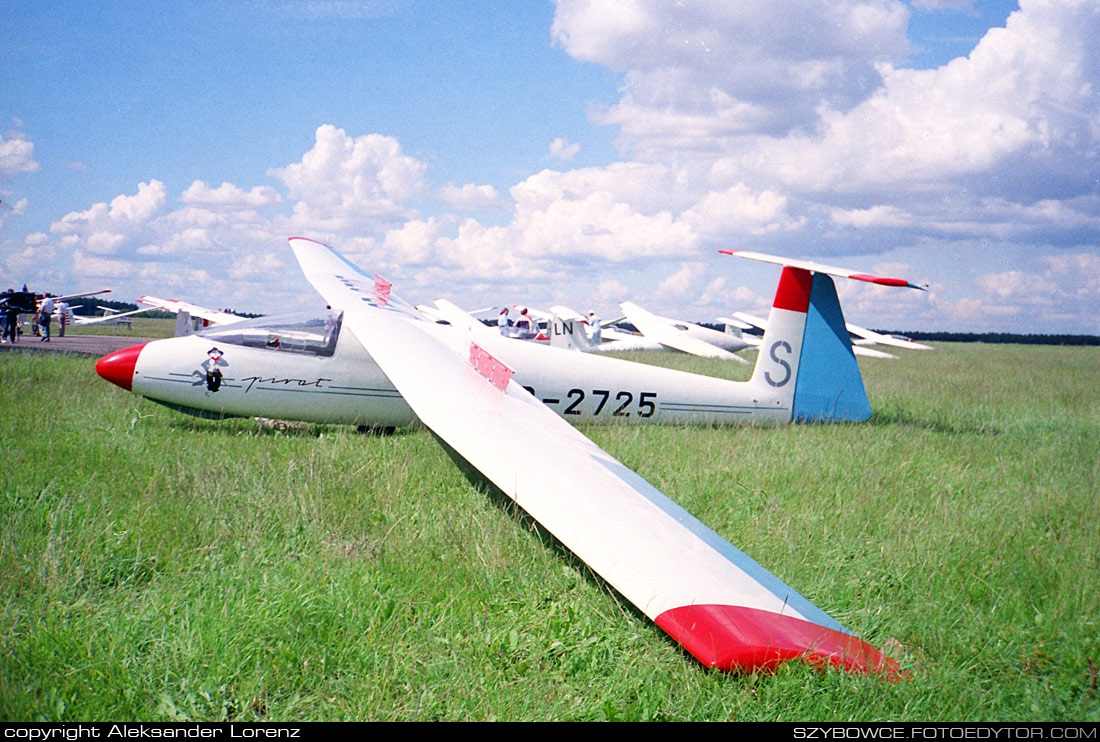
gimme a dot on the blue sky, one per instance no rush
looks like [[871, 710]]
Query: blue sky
[[575, 152]]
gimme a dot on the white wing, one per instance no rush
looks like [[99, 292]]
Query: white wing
[[77, 319], [880, 339], [859, 350], [664, 332], [722, 606], [460, 318], [213, 316]]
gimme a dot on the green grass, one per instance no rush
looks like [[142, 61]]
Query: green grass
[[159, 567]]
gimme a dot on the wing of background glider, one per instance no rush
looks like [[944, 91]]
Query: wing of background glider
[[664, 332], [77, 296], [820, 268], [78, 320], [735, 322], [762, 324], [718, 603], [873, 337], [564, 312], [212, 316], [458, 317]]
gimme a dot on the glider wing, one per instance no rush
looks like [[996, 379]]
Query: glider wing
[[176, 306], [77, 319], [665, 333], [877, 337], [723, 607]]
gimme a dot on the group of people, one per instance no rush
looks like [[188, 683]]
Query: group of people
[[14, 304], [526, 327]]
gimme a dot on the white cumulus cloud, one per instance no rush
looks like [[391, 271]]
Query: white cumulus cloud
[[470, 197], [344, 181], [16, 155]]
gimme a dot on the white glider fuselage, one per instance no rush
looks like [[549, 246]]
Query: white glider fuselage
[[346, 386]]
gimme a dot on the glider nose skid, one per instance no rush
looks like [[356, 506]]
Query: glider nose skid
[[118, 367]]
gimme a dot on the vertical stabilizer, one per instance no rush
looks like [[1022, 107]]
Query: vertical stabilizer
[[829, 387], [183, 323], [569, 334], [806, 361]]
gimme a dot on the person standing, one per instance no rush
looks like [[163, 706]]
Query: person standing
[[9, 316], [45, 312], [62, 317]]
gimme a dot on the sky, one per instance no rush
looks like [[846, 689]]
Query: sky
[[576, 152]]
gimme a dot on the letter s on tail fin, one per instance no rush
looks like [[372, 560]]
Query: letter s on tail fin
[[776, 373]]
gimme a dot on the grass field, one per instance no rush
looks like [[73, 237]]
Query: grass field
[[160, 567]]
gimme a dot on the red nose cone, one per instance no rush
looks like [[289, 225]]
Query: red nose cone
[[118, 367]]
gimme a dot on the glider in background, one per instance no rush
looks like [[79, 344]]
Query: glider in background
[[208, 316], [859, 347], [374, 360], [684, 336], [109, 315]]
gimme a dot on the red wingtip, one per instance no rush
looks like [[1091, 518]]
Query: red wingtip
[[740, 639], [882, 280], [118, 367]]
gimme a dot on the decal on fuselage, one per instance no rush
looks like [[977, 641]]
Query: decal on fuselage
[[212, 373], [786, 366], [253, 380], [621, 407]]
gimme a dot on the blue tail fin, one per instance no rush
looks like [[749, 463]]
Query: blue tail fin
[[829, 386]]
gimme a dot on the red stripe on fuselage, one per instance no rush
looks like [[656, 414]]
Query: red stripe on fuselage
[[736, 638], [793, 292]]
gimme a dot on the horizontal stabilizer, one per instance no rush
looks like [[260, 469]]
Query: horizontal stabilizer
[[820, 268]]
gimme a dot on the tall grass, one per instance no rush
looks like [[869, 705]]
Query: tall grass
[[156, 566]]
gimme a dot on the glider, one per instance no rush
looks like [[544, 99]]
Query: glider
[[109, 315], [572, 330], [859, 346], [376, 360], [208, 316], [684, 336]]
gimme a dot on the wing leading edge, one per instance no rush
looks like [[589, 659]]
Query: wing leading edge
[[722, 606]]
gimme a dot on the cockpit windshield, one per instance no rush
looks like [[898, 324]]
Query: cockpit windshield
[[303, 332]]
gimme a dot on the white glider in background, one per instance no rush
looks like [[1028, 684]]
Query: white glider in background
[[492, 400], [571, 330], [859, 347], [208, 316], [109, 315], [870, 337], [684, 336]]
